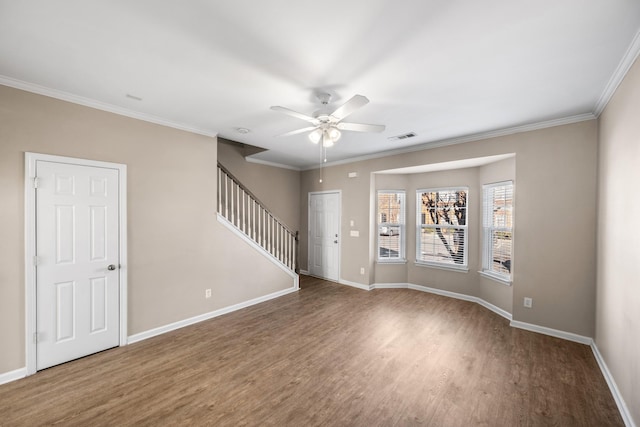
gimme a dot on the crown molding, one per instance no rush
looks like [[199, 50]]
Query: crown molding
[[619, 74], [87, 102], [460, 140]]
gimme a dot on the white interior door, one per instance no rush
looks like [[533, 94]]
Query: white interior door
[[77, 289], [324, 235]]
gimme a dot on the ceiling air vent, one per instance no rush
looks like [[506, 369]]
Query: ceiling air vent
[[401, 137]]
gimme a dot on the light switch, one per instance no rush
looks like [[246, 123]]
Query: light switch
[[354, 233]]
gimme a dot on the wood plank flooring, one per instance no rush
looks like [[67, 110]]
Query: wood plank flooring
[[328, 355]]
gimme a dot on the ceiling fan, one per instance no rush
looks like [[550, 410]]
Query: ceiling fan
[[326, 125]]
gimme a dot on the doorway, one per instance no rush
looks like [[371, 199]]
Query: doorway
[[76, 258], [324, 235]]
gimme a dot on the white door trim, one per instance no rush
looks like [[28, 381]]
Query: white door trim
[[313, 193], [30, 246]]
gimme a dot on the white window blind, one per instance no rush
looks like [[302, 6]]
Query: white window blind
[[390, 223], [497, 222], [441, 237]]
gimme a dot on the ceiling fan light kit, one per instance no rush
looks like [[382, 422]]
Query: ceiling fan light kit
[[327, 141], [328, 134], [334, 134], [327, 125], [315, 136]]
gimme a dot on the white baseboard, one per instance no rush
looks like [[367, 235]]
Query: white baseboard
[[442, 292], [22, 372], [340, 281], [354, 284], [7, 377], [552, 332], [499, 311], [622, 407], [389, 286], [186, 322], [456, 295], [617, 396]]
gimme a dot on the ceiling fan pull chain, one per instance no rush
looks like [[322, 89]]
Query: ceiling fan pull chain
[[321, 148]]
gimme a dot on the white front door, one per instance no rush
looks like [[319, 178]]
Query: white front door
[[324, 235], [77, 288]]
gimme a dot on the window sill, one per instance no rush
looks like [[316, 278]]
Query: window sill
[[391, 261], [496, 278], [461, 269]]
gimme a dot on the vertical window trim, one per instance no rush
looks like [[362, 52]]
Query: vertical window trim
[[419, 226], [487, 246], [401, 258]]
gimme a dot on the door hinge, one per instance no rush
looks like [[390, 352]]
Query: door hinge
[[36, 181], [35, 260], [35, 338]]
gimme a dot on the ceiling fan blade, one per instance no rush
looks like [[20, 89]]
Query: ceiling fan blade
[[349, 107], [296, 114], [360, 127], [297, 131]]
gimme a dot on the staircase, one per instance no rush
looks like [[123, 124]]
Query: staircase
[[248, 215]]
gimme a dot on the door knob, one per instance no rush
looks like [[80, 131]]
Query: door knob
[[111, 267]]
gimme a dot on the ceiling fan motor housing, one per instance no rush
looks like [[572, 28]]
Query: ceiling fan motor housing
[[324, 98]]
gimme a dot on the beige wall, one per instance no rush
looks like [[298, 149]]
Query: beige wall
[[618, 281], [177, 248], [554, 253], [277, 188]]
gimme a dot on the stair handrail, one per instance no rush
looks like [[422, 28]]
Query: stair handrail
[[294, 234], [254, 197]]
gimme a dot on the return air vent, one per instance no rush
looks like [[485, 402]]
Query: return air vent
[[401, 137]]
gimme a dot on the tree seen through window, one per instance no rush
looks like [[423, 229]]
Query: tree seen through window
[[442, 231]]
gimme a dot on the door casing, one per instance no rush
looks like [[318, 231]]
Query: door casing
[[30, 246]]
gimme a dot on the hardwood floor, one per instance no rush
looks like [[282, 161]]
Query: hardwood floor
[[329, 355]]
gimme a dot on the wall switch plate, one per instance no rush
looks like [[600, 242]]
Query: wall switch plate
[[528, 302], [361, 270], [353, 174], [207, 293], [354, 233], [352, 223]]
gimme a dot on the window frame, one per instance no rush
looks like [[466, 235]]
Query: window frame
[[419, 226], [401, 258], [487, 233]]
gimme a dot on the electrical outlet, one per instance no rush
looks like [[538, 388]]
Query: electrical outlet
[[207, 293], [361, 270], [528, 302]]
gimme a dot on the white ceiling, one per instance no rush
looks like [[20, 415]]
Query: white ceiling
[[443, 70]]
